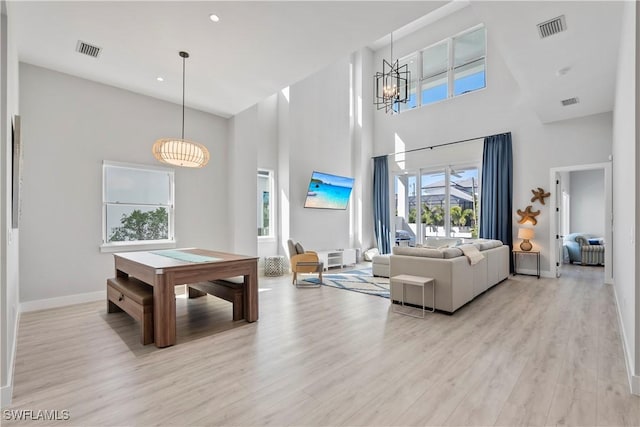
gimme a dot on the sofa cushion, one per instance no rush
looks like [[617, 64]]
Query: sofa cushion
[[489, 244], [441, 242], [449, 253], [423, 252], [483, 244]]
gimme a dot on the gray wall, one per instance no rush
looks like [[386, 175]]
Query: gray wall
[[70, 126], [587, 202]]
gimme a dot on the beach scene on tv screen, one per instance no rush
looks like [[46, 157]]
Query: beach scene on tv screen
[[328, 191]]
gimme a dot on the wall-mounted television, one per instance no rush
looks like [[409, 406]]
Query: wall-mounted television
[[328, 191]]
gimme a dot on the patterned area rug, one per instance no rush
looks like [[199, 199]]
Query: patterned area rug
[[356, 280]]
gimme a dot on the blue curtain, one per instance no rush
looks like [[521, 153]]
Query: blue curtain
[[381, 220], [496, 206]]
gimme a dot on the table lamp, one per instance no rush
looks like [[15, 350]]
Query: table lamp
[[525, 234]]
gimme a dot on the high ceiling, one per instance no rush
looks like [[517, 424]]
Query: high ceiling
[[580, 62], [260, 47], [256, 49]]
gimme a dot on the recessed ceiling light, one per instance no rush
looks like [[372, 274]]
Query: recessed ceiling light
[[160, 79], [214, 17]]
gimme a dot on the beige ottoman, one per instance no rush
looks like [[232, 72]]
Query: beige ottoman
[[380, 265]]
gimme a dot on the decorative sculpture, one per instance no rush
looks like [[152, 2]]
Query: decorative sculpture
[[539, 195], [528, 215]]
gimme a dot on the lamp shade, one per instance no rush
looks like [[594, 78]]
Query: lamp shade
[[526, 233]]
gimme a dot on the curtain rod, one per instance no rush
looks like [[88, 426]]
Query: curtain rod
[[431, 147]]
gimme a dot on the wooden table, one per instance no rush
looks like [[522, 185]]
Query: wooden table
[[163, 273]]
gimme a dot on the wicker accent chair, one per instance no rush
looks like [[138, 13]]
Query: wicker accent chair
[[303, 261]]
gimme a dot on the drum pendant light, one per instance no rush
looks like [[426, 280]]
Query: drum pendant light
[[179, 151]]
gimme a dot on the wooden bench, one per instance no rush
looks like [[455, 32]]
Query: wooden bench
[[231, 290], [134, 297]]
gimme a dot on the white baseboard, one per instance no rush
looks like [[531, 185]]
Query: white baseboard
[[6, 391], [43, 304], [635, 385], [634, 380]]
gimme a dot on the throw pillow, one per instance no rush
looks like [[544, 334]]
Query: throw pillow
[[369, 254], [299, 248]]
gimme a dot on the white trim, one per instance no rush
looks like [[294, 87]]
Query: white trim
[[43, 304], [635, 385], [137, 166], [634, 380], [6, 392], [608, 214], [136, 246]]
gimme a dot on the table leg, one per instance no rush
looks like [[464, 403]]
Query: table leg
[[164, 311], [251, 293], [194, 293]]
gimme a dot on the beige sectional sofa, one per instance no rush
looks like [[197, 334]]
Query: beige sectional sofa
[[457, 281]]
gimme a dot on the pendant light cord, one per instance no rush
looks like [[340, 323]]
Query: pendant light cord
[[183, 68]]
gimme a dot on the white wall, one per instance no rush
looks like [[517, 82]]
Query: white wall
[[268, 159], [495, 109], [70, 125], [362, 118], [625, 191], [254, 144], [313, 125], [320, 140], [587, 202], [9, 238]]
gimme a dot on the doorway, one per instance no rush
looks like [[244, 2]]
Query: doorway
[[585, 209]]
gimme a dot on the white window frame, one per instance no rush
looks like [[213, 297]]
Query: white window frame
[[170, 242], [272, 203], [447, 212], [450, 71]]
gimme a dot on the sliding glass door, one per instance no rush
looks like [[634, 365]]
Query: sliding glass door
[[447, 204], [463, 202], [450, 202], [433, 215]]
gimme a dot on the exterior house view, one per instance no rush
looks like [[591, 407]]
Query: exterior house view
[[475, 158]]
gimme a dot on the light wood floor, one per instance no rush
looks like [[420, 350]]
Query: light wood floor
[[527, 352]]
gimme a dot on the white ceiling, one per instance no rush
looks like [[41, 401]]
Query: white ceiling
[[255, 50], [260, 47], [589, 48]]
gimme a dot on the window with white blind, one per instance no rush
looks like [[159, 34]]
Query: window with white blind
[[137, 206], [449, 68]]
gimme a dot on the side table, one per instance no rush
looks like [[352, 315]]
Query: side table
[[515, 262], [421, 282]]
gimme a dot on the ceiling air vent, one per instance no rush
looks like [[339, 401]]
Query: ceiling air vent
[[88, 49], [569, 101], [552, 26]]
